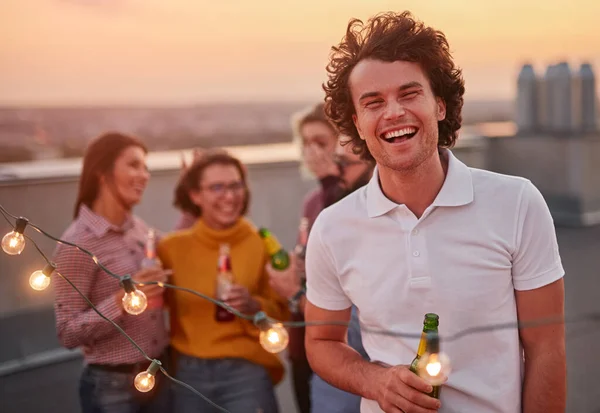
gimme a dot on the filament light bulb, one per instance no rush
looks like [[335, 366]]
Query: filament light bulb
[[273, 336], [275, 339], [134, 301], [145, 380], [40, 279], [434, 366], [13, 243]]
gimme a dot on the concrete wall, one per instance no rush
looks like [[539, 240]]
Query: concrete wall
[[564, 168]]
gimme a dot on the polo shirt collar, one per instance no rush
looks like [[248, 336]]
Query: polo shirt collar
[[457, 189]]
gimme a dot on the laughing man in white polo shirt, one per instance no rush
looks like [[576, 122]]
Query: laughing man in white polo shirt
[[429, 234]]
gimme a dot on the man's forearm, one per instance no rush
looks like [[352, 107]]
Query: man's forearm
[[545, 385], [343, 367]]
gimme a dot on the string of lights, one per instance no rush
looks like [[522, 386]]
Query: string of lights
[[273, 334], [295, 324], [16, 236], [145, 380], [580, 318]]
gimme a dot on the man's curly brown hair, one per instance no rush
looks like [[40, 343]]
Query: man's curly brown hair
[[391, 37]]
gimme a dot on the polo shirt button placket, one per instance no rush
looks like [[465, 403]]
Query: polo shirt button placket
[[413, 233], [420, 277]]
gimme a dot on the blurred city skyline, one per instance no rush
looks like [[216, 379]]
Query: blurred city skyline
[[152, 52]]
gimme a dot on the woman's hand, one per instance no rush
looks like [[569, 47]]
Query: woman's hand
[[320, 162], [196, 154], [238, 297]]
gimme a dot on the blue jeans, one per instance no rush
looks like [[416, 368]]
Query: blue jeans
[[236, 385], [102, 391], [328, 399]]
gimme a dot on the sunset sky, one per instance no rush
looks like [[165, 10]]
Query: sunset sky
[[161, 52]]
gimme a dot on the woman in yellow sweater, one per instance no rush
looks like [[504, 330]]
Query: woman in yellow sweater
[[221, 359]]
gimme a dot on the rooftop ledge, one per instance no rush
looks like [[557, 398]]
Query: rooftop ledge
[[13, 173]]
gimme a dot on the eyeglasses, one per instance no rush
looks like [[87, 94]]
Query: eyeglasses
[[220, 188], [344, 162]]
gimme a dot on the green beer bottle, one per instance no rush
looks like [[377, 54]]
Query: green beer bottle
[[280, 259], [430, 324]]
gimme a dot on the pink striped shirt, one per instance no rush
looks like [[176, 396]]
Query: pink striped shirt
[[121, 251]]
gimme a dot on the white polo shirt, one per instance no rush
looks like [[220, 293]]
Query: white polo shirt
[[484, 236]]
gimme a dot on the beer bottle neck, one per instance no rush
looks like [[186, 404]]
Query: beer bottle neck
[[272, 245], [150, 249], [423, 343]]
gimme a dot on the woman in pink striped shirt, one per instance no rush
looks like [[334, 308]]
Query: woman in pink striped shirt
[[112, 182]]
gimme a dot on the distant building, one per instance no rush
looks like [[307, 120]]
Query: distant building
[[589, 109], [561, 101], [527, 100]]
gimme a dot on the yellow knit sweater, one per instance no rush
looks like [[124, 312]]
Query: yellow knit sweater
[[192, 255]]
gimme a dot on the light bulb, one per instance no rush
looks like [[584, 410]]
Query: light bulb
[[274, 339], [434, 368], [135, 302], [273, 336], [144, 381], [39, 281], [13, 243]]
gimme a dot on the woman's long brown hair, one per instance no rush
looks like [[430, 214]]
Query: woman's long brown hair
[[99, 159]]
